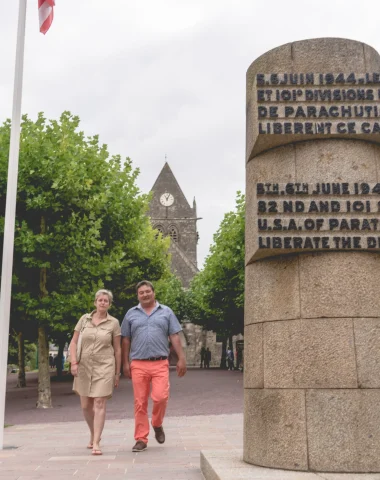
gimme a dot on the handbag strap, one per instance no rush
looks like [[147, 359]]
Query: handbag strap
[[84, 322]]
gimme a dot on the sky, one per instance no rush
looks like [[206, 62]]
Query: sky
[[166, 78]]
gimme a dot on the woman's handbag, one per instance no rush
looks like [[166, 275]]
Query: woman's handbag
[[79, 342]]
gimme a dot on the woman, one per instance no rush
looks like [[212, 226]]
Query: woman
[[98, 371]]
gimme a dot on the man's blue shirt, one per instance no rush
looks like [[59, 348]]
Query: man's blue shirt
[[149, 333]]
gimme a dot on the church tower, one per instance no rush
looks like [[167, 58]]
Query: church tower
[[172, 215]]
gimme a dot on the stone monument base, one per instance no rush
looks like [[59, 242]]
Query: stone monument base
[[229, 465]]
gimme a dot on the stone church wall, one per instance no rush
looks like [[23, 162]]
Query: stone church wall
[[196, 338]]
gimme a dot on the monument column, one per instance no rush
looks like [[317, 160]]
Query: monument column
[[312, 327]]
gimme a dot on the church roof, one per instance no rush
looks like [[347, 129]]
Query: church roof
[[182, 265], [167, 182]]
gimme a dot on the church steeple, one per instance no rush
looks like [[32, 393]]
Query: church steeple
[[166, 184], [171, 214], [195, 207]]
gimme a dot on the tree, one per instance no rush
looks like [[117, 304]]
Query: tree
[[170, 292], [81, 225], [20, 352], [216, 296]]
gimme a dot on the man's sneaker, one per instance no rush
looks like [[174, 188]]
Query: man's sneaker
[[159, 434], [140, 446]]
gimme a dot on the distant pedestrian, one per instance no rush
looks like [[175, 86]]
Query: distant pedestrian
[[230, 359], [55, 361], [207, 358], [203, 357], [145, 331], [51, 361], [238, 358], [97, 372]]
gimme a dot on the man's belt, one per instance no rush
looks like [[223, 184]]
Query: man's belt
[[153, 359]]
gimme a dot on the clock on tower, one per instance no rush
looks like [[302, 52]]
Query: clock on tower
[[167, 199]]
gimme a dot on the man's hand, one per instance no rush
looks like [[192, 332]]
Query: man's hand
[[181, 364], [181, 367], [127, 370]]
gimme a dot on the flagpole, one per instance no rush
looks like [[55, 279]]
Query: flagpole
[[10, 214]]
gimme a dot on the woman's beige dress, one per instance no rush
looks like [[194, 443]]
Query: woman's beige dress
[[96, 369]]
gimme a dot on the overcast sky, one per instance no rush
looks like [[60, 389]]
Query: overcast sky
[[156, 78]]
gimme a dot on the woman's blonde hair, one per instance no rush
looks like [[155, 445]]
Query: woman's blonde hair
[[103, 291]]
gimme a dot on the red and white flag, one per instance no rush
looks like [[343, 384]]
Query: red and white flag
[[46, 14]]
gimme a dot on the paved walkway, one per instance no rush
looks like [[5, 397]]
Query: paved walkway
[[200, 392], [204, 412], [57, 451]]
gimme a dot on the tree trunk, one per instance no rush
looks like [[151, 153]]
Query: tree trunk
[[224, 357], [21, 383], [61, 346], [44, 391]]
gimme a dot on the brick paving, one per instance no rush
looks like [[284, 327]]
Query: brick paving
[[58, 451], [205, 412]]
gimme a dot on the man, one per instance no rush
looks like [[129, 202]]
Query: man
[[51, 361], [207, 358], [145, 350], [203, 357], [230, 359]]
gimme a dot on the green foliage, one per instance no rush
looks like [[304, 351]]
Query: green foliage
[[29, 350], [12, 351], [169, 291], [81, 225], [31, 356], [216, 298]]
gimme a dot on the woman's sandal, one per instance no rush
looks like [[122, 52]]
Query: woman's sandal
[[96, 451]]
